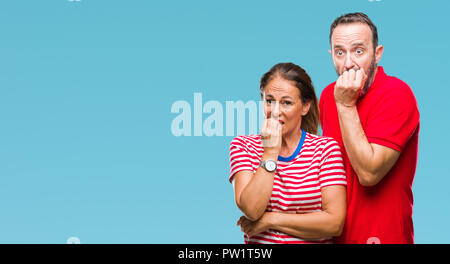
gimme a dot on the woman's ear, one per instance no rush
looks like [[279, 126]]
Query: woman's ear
[[306, 107]]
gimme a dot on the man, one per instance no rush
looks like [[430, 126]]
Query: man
[[375, 118]]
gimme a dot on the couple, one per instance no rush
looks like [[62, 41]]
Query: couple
[[351, 185]]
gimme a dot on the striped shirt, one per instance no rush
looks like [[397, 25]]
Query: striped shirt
[[316, 163]]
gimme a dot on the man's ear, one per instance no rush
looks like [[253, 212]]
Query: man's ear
[[378, 53]]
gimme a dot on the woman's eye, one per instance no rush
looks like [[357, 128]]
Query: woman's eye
[[287, 103], [268, 101]]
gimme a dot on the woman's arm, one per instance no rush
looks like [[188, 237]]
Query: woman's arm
[[253, 190], [328, 222]]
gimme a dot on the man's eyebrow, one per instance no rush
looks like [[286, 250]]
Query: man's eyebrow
[[286, 96], [357, 44]]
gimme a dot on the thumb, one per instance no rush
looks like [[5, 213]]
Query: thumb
[[364, 75]]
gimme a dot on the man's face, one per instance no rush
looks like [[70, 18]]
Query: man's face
[[352, 48]]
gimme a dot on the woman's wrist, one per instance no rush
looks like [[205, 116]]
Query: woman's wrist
[[268, 218], [270, 154]]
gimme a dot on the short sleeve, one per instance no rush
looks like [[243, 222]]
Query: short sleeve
[[331, 171], [327, 107], [394, 118], [240, 159]]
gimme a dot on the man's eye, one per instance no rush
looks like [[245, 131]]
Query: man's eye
[[359, 51], [339, 52]]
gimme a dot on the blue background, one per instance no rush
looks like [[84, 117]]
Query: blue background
[[86, 89]]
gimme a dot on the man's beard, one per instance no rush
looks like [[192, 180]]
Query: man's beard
[[370, 76]]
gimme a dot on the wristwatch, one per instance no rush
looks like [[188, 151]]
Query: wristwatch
[[269, 165]]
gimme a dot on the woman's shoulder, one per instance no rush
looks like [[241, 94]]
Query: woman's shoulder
[[320, 141], [246, 141]]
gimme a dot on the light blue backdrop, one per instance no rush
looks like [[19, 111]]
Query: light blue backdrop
[[86, 89]]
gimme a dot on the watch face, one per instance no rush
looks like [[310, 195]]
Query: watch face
[[271, 165]]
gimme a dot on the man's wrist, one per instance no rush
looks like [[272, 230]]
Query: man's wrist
[[342, 107]]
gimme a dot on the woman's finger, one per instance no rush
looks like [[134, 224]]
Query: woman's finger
[[264, 132], [247, 228], [239, 222]]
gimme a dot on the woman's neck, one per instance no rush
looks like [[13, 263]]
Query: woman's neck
[[289, 143]]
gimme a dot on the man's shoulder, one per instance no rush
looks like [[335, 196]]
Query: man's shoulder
[[395, 82], [329, 90], [397, 89]]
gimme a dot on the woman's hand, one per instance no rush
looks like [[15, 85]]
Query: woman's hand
[[271, 136], [252, 228]]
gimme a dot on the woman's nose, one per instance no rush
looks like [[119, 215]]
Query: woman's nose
[[275, 110]]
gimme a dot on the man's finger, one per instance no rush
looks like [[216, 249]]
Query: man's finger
[[344, 77], [365, 76], [351, 75], [359, 75], [362, 70], [339, 81], [339, 84]]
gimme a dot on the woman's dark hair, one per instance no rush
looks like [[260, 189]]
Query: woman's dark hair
[[301, 80]]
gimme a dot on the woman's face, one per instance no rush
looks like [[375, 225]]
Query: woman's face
[[282, 101]]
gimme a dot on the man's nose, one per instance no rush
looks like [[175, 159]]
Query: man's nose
[[349, 62]]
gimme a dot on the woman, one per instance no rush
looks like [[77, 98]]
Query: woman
[[288, 182]]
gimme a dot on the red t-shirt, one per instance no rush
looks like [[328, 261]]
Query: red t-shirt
[[390, 117]]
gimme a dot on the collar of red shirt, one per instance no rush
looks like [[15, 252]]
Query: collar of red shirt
[[380, 78]]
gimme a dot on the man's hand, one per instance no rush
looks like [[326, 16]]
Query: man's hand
[[349, 86]]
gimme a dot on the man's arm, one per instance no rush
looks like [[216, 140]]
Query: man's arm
[[370, 161]]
